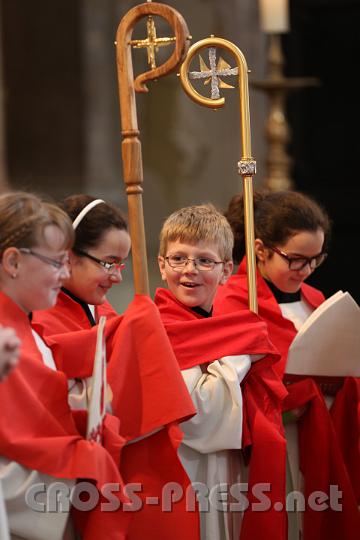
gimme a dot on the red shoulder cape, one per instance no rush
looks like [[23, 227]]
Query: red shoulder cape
[[149, 393], [38, 430], [234, 296], [197, 340], [322, 463]]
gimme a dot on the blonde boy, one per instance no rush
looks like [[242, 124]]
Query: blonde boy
[[214, 353]]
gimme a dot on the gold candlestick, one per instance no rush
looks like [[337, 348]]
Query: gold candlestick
[[277, 130]]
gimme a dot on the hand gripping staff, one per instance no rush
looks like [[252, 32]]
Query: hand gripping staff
[[246, 165], [131, 146]]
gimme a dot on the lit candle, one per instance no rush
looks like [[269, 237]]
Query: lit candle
[[274, 16]]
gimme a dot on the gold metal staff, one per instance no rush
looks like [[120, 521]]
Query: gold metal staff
[[246, 165], [131, 146]]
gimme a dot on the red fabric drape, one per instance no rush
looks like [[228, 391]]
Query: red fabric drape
[[38, 430], [149, 395], [233, 296], [322, 465], [344, 412], [198, 340]]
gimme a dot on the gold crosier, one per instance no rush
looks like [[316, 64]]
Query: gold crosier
[[246, 165], [131, 146]]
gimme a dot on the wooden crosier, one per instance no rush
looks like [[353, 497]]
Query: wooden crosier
[[131, 146]]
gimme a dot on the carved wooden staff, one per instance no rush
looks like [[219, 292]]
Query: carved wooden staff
[[131, 146], [246, 165]]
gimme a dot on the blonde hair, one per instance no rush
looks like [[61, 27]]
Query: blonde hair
[[198, 223], [24, 217]]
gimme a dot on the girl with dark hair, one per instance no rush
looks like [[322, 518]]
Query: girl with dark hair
[[291, 240], [146, 390], [102, 243]]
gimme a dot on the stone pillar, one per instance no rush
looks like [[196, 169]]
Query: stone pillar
[[102, 167]]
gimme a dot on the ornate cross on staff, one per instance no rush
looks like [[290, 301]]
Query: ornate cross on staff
[[152, 42], [214, 74], [131, 146], [246, 165]]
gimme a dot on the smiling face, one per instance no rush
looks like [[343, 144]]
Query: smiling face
[[89, 281], [36, 283], [275, 268], [192, 287]]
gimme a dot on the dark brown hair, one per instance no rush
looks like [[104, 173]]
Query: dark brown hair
[[277, 216], [95, 223]]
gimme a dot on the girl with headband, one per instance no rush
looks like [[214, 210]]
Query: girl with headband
[[148, 393]]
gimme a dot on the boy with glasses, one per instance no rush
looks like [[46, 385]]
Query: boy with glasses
[[216, 355]]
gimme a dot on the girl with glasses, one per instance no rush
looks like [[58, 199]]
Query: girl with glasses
[[40, 441], [146, 390], [291, 237]]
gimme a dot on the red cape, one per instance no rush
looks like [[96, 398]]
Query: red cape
[[234, 296], [345, 413], [346, 418], [38, 429], [149, 393], [322, 465], [197, 340]]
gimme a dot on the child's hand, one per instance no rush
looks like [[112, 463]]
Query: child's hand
[[9, 350]]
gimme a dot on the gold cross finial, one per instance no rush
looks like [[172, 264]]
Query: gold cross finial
[[152, 42]]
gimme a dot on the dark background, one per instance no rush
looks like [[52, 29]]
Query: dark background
[[325, 43]]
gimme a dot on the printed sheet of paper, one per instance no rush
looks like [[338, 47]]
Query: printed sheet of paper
[[328, 343], [97, 403]]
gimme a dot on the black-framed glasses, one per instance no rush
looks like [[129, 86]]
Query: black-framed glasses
[[298, 263], [48, 260], [179, 262], [110, 267]]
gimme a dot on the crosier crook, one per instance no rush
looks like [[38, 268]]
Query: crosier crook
[[131, 146], [246, 165]]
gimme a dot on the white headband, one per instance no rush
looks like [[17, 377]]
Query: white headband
[[85, 210]]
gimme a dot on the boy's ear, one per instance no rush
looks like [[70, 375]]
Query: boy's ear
[[260, 250], [227, 271], [161, 262]]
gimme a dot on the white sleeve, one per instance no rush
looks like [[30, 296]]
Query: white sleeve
[[4, 530], [216, 394], [24, 521]]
